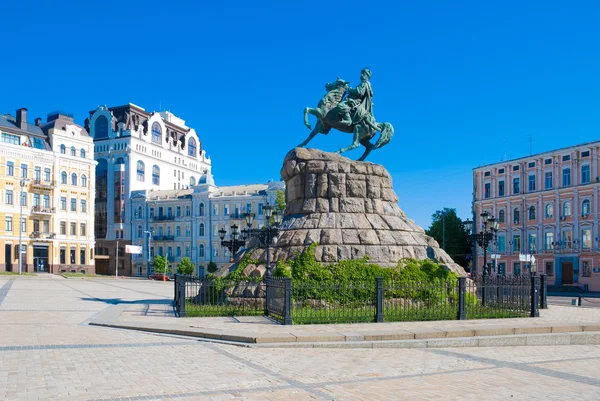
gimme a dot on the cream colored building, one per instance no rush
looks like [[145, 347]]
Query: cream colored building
[[46, 176]]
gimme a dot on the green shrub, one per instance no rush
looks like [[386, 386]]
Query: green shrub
[[185, 267], [211, 267]]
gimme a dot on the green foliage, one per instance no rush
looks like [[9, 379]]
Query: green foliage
[[185, 267], [280, 200], [160, 265], [446, 224], [211, 267], [237, 275]]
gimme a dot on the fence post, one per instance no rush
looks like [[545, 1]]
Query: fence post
[[181, 299], [535, 282], [462, 286], [484, 283], [175, 289], [543, 291], [267, 295], [288, 301], [379, 300]]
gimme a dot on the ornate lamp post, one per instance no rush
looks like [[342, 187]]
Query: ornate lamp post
[[235, 243], [484, 237]]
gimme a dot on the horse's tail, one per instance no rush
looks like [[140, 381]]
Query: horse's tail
[[386, 134]]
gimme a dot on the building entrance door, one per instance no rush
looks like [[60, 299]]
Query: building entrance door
[[8, 257], [567, 273], [40, 259]]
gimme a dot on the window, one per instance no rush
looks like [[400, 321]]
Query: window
[[63, 228], [531, 212], [192, 147], [84, 181], [47, 174], [73, 151], [12, 139], [567, 239], [73, 204], [187, 210], [531, 181], [46, 200], [201, 209], [83, 206], [548, 161], [82, 230], [516, 186], [248, 207], [567, 208], [178, 231], [548, 180], [549, 210], [63, 256], [548, 241], [585, 154], [550, 268], [516, 168], [517, 268], [139, 232], [516, 243], [73, 179], [201, 230], [23, 200], [516, 215], [156, 133], [63, 203], [63, 149], [36, 225], [531, 164], [37, 173], [215, 210], [192, 181], [532, 240], [23, 224], [23, 170], [155, 175], [566, 177], [72, 254], [82, 256], [586, 238], [10, 169], [201, 250], [141, 171], [101, 127], [82, 153], [187, 251], [46, 226], [585, 268], [216, 252], [226, 209], [9, 197], [585, 174], [501, 243], [8, 223], [63, 178], [566, 158], [500, 171], [178, 251], [585, 207], [487, 190], [501, 188], [73, 229], [487, 174], [501, 216], [36, 200], [178, 211], [260, 208]]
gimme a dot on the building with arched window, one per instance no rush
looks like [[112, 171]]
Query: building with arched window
[[57, 222], [559, 191], [129, 143]]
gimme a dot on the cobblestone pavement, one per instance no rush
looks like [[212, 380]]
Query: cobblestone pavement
[[48, 352]]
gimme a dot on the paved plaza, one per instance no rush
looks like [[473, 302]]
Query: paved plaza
[[49, 352]]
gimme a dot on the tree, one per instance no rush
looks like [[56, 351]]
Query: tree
[[280, 200], [211, 267], [160, 265], [185, 267], [449, 231]]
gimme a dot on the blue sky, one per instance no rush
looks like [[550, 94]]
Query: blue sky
[[463, 83]]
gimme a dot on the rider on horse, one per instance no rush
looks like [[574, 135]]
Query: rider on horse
[[359, 104]]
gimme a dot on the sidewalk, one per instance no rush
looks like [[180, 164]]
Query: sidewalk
[[556, 326]]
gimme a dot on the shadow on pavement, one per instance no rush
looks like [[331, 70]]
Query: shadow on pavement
[[117, 301]]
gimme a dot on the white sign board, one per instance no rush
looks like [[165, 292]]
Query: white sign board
[[133, 249], [495, 256], [526, 258]]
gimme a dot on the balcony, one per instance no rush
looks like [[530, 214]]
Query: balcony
[[164, 218], [43, 210], [43, 184], [41, 235], [163, 238]]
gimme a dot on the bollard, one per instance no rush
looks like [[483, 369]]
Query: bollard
[[543, 291], [379, 299], [535, 312], [462, 285]]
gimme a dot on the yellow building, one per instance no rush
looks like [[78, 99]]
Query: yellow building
[[47, 183]]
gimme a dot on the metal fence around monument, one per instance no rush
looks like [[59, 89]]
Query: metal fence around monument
[[310, 302]]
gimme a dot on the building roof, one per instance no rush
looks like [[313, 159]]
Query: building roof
[[37, 139], [234, 190], [8, 121]]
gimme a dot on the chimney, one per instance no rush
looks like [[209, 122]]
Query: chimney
[[22, 118], [38, 122]]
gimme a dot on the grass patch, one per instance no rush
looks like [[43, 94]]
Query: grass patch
[[194, 310], [84, 275], [16, 274]]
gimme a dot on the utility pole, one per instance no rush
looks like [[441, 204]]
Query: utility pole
[[117, 264]]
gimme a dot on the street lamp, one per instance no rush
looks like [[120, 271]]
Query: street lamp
[[235, 243], [20, 256], [484, 237], [149, 239], [271, 231]]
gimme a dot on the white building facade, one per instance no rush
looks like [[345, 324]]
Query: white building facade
[[137, 151]]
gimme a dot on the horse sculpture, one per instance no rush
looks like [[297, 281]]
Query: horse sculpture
[[330, 114]]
